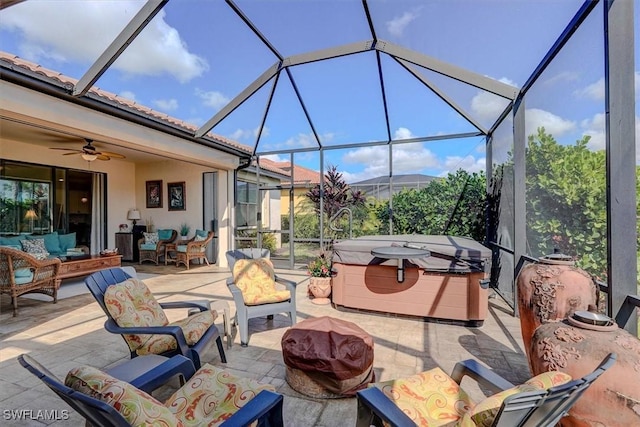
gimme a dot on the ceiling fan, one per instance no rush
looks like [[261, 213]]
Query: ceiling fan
[[90, 153]]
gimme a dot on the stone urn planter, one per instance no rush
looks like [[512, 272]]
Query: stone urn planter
[[551, 290], [576, 346], [320, 289]]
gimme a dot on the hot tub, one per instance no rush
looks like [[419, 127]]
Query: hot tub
[[447, 285]]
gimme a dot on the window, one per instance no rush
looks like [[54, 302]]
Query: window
[[247, 205], [24, 206]]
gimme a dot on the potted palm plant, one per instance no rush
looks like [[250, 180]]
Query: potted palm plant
[[319, 271], [184, 230]]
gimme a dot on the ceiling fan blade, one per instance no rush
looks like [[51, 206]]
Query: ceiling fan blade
[[66, 149], [112, 155], [103, 157], [75, 153]]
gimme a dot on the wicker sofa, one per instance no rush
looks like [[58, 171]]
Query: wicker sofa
[[21, 273]]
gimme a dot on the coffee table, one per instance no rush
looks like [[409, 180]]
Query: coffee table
[[83, 265]]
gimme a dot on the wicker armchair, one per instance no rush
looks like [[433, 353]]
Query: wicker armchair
[[153, 251], [21, 273], [194, 249]]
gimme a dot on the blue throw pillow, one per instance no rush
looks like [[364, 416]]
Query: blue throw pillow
[[164, 234], [51, 242], [67, 241], [12, 240], [202, 233]]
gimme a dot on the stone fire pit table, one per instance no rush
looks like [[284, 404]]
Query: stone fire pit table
[[327, 357]]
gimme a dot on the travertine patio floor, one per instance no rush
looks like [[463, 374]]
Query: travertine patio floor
[[71, 332]]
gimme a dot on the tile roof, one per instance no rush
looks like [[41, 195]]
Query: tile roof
[[301, 175], [27, 67]]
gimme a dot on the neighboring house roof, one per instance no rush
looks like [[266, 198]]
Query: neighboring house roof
[[23, 66], [301, 176]]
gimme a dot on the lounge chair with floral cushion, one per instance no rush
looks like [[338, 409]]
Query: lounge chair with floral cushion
[[133, 312], [21, 273], [434, 398], [256, 293], [211, 397]]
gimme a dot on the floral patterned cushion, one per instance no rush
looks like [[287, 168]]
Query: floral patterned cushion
[[193, 328], [429, 398], [136, 406], [131, 303], [35, 248], [151, 238], [211, 396], [484, 413], [256, 279]]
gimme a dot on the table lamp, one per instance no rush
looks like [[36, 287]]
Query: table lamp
[[133, 214]]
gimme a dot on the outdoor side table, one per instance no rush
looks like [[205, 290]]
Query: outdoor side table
[[152, 371], [400, 253]]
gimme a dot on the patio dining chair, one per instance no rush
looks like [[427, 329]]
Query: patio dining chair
[[211, 396], [539, 402], [134, 313], [256, 294]]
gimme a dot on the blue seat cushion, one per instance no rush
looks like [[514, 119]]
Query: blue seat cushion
[[67, 241], [181, 248], [165, 234], [148, 246], [22, 276]]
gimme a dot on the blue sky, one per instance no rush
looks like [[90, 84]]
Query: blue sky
[[197, 55]]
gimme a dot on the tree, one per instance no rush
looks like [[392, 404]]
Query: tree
[[566, 200], [337, 194], [451, 205]]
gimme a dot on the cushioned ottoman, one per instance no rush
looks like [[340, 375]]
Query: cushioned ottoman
[[327, 357]]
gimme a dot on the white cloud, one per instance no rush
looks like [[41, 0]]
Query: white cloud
[[275, 158], [397, 25], [554, 125], [468, 163], [128, 95], [249, 134], [87, 28], [595, 128], [592, 91], [486, 106], [565, 76], [213, 99], [166, 104], [402, 133], [407, 158]]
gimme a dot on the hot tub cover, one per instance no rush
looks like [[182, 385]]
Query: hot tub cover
[[330, 350], [448, 253]]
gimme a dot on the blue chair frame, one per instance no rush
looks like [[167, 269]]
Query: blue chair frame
[[265, 408], [99, 282], [542, 408]]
